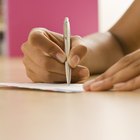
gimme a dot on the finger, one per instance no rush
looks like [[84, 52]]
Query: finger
[[112, 70], [45, 78], [108, 83], [39, 38], [122, 76], [95, 86], [31, 75], [37, 74], [78, 51], [46, 63], [124, 62], [80, 74], [87, 84], [30, 51], [34, 56], [130, 85], [43, 61]]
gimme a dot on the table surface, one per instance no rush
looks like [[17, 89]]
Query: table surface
[[2, 26], [41, 115]]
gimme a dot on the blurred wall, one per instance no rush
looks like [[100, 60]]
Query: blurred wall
[[110, 11], [23, 15], [2, 29]]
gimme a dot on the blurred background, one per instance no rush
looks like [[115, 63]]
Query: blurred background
[[2, 25], [17, 18]]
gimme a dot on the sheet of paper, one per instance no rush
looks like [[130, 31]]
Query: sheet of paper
[[47, 87]]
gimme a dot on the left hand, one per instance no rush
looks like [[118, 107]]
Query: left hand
[[122, 76]]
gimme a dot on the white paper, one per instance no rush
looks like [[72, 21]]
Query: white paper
[[47, 87]]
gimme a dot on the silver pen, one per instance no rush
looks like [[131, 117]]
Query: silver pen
[[67, 48]]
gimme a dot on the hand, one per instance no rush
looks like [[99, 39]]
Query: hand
[[122, 76], [44, 57]]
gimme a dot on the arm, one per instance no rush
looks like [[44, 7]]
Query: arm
[[96, 52], [103, 51], [127, 29], [125, 74], [109, 47]]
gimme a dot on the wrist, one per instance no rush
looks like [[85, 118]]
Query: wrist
[[103, 50]]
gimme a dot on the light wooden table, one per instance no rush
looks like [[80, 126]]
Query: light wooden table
[[2, 26], [39, 115]]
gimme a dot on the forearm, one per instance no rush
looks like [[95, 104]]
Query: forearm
[[103, 51], [127, 29]]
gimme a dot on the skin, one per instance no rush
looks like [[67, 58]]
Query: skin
[[115, 53], [44, 57], [125, 74]]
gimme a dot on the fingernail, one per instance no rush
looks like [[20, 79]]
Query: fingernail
[[61, 57], [86, 88], [96, 85], [91, 86], [87, 85], [74, 61], [118, 86]]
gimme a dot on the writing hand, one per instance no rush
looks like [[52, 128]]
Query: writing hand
[[44, 57]]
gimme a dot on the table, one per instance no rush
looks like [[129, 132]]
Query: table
[[2, 26], [41, 115]]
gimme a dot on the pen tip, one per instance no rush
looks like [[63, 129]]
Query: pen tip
[[66, 19]]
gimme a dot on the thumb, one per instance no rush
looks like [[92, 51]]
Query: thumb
[[78, 51]]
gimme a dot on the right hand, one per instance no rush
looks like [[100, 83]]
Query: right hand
[[44, 57]]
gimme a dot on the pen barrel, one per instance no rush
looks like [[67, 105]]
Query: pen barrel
[[67, 48], [67, 36]]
